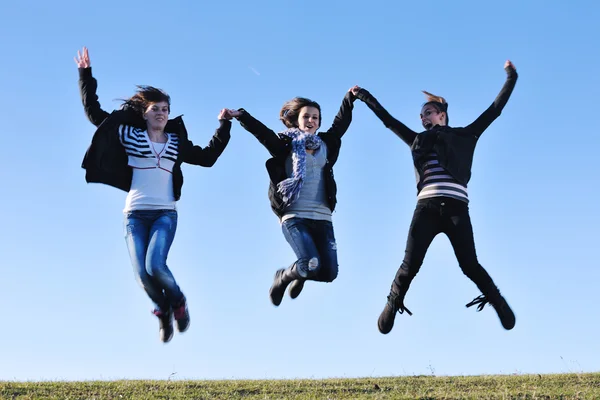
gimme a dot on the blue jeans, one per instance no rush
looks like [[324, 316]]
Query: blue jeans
[[149, 235], [313, 242]]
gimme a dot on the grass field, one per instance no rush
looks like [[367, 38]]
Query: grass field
[[559, 386]]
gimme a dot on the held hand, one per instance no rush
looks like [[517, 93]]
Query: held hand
[[224, 114], [509, 64], [354, 90], [83, 60], [234, 113]]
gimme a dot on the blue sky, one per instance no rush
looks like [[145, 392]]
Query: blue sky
[[71, 307]]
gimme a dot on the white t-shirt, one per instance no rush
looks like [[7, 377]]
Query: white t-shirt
[[152, 164]]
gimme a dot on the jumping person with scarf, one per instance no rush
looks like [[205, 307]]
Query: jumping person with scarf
[[139, 150], [442, 157], [302, 188]]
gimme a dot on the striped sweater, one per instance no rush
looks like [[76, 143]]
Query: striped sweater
[[438, 182], [143, 154]]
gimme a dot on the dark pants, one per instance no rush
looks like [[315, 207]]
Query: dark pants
[[450, 216]]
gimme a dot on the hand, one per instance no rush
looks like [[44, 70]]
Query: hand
[[354, 90], [234, 113], [224, 115], [83, 61], [509, 64]]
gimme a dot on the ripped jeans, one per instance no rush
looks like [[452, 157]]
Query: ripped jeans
[[314, 244]]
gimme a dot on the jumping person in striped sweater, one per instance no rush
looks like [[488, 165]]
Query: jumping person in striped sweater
[[442, 157], [139, 150]]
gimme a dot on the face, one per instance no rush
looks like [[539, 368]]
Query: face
[[309, 119], [157, 115], [431, 117]]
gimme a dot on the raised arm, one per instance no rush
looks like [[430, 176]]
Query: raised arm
[[478, 126], [342, 120], [265, 136], [87, 89], [401, 130], [207, 156]]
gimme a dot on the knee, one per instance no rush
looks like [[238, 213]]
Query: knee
[[308, 267], [470, 267], [154, 268], [145, 280], [328, 273]]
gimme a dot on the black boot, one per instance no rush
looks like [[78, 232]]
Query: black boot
[[296, 287], [395, 303], [496, 300], [283, 277]]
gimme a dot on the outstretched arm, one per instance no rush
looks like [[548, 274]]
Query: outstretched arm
[[208, 156], [484, 120], [265, 136], [87, 89], [401, 130], [342, 120]]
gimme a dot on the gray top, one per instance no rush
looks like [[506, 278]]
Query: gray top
[[312, 199]]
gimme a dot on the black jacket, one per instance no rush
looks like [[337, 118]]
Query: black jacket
[[280, 147], [106, 160], [454, 146]]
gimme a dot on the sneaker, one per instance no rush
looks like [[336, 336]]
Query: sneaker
[[386, 319], [165, 321], [296, 287], [506, 315], [182, 316]]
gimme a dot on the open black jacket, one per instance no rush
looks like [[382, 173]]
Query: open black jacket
[[280, 147], [454, 146], [106, 160]]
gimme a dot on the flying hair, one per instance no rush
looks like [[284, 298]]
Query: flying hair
[[432, 98], [438, 102]]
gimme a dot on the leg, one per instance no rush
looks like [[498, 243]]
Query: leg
[[296, 232], [460, 232], [137, 228], [162, 234], [324, 239], [137, 233], [424, 227]]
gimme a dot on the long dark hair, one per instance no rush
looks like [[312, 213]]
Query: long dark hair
[[144, 96], [291, 111]]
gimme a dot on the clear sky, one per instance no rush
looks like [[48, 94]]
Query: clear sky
[[71, 308]]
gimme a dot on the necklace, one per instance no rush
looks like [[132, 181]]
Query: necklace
[[157, 154]]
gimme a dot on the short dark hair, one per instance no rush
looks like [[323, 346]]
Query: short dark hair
[[144, 96], [291, 111]]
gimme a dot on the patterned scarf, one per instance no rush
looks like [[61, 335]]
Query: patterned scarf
[[290, 188]]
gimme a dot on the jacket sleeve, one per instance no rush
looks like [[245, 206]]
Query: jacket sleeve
[[342, 120], [265, 136], [207, 156], [401, 130], [478, 126], [89, 98]]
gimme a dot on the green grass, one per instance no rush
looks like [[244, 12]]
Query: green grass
[[560, 386]]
